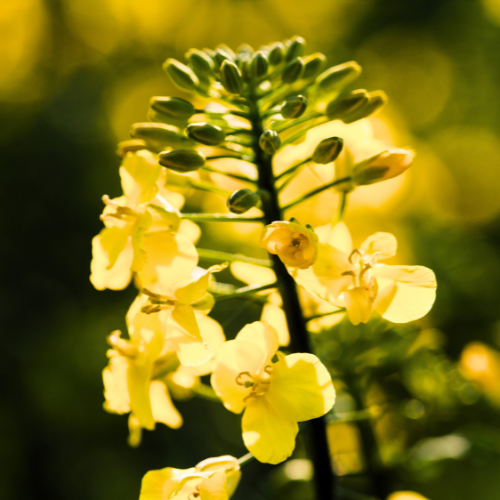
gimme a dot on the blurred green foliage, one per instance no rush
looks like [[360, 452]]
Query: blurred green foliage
[[77, 73]]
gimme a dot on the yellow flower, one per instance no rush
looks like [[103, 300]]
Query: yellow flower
[[355, 280], [212, 479], [295, 244], [133, 381], [275, 395], [117, 249]]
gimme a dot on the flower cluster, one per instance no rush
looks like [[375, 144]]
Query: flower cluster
[[258, 128]]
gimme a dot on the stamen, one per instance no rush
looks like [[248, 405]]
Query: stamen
[[364, 270], [353, 253]]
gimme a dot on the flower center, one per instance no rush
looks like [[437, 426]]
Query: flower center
[[195, 494], [258, 385], [362, 263]]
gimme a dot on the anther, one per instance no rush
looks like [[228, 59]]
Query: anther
[[353, 253]]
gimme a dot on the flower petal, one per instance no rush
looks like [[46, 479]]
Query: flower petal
[[301, 388], [115, 385], [275, 317], [406, 293], [359, 304], [163, 409], [214, 487], [385, 244], [159, 484], [253, 275], [262, 335], [184, 319], [233, 358], [337, 236], [269, 437]]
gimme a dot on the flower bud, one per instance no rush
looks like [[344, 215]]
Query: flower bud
[[227, 50], [221, 56], [313, 65], [270, 142], [295, 49], [242, 200], [245, 50], [159, 136], [328, 150], [182, 160], [385, 165], [206, 133], [336, 78], [276, 53], [259, 65], [294, 107], [375, 102], [346, 104], [182, 76], [130, 146], [174, 107], [231, 77], [293, 71], [200, 62]]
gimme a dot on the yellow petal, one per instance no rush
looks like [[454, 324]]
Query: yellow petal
[[171, 258], [194, 290], [385, 244], [115, 385], [231, 466], [184, 319], [275, 317], [406, 293], [269, 437], [301, 388], [233, 358], [138, 380], [160, 484], [359, 305], [253, 275], [337, 236], [190, 230], [214, 487], [113, 241], [139, 173], [264, 337], [163, 409], [116, 277], [325, 279]]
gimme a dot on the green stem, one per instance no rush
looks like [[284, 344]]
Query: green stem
[[306, 196], [300, 133], [245, 290], [292, 169], [341, 208], [245, 459], [212, 170], [316, 316], [298, 121], [209, 188], [221, 218], [324, 478], [206, 392], [206, 253]]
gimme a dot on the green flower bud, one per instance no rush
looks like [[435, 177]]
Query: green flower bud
[[295, 49], [385, 165], [182, 160], [209, 52], [200, 62], [346, 104], [259, 65], [338, 77], [294, 106], [328, 150], [231, 77], [205, 133], [242, 200], [157, 117], [225, 48], [276, 53], [159, 136], [293, 71], [174, 107], [130, 146], [221, 56], [243, 49], [182, 76], [373, 104], [270, 142], [313, 65]]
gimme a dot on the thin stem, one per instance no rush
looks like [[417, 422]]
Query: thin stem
[[209, 188], [292, 169], [324, 478], [245, 290], [306, 196], [221, 218], [300, 133], [245, 459], [212, 170], [341, 208], [205, 253], [298, 121], [355, 416], [317, 316]]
